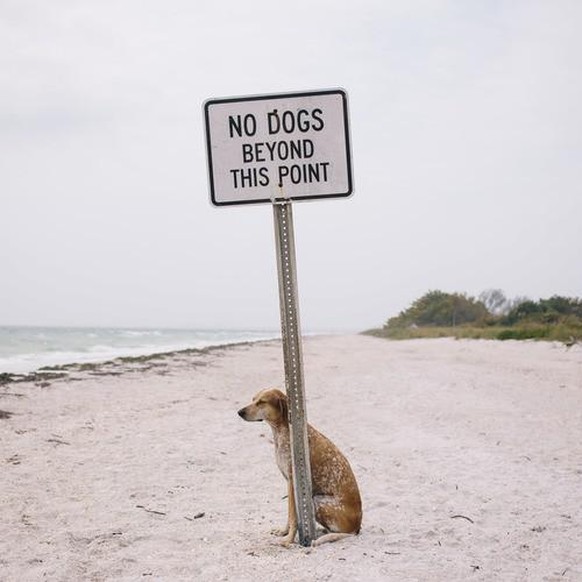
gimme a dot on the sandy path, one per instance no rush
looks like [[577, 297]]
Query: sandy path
[[468, 454]]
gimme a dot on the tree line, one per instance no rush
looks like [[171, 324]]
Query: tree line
[[490, 315]]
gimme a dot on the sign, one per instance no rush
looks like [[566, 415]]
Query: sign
[[276, 149], [293, 146]]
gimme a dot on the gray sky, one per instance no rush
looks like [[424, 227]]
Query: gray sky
[[467, 149]]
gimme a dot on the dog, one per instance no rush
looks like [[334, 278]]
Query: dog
[[336, 497]]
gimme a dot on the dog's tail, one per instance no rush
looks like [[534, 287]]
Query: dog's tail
[[331, 537]]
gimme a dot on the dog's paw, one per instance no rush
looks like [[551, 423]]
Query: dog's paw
[[280, 531]]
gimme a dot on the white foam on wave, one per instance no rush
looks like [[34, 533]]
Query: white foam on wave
[[132, 333], [92, 352]]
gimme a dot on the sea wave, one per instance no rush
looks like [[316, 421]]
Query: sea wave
[[135, 333], [23, 350]]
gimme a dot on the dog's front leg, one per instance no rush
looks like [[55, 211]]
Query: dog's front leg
[[291, 515], [282, 531]]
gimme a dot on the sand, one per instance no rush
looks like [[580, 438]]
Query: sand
[[468, 455]]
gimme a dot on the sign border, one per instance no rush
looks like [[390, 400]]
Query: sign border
[[264, 97]]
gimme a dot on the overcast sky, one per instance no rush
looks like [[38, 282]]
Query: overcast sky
[[466, 123]]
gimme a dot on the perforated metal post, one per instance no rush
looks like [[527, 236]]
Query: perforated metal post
[[293, 360]]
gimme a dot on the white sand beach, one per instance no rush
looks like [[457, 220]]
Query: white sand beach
[[468, 456]]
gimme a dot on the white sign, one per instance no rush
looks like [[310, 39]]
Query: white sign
[[292, 146]]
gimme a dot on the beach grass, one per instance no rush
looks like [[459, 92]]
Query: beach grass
[[560, 333]]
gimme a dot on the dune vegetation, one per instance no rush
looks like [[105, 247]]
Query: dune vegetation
[[490, 316]]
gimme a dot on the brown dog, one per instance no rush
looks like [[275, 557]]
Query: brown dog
[[336, 497]]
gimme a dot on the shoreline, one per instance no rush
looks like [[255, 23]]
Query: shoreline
[[25, 350], [63, 371], [116, 366]]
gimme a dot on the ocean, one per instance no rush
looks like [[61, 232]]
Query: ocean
[[25, 349]]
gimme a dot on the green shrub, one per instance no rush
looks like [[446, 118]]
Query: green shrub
[[439, 309], [438, 314]]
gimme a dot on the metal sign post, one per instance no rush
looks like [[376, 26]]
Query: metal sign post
[[258, 147], [293, 361]]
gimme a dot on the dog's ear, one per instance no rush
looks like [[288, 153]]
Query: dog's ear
[[283, 406]]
